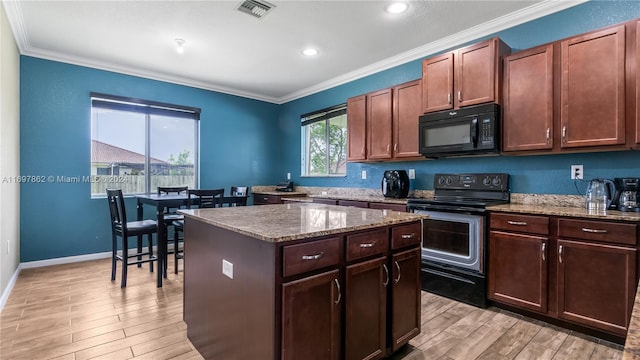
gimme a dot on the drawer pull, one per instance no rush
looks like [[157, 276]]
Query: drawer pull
[[543, 250], [339, 292], [367, 245], [312, 257], [594, 231], [395, 281], [386, 271], [408, 236], [517, 223]]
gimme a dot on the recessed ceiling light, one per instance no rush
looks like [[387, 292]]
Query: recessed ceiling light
[[179, 48], [397, 7], [310, 52]]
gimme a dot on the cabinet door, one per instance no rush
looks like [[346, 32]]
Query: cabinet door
[[528, 115], [475, 74], [593, 83], [311, 317], [596, 284], [518, 270], [366, 309], [437, 83], [405, 313], [407, 107], [379, 126], [356, 128], [637, 99]]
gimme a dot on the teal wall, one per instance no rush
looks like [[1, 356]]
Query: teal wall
[[529, 174], [249, 142], [238, 146]]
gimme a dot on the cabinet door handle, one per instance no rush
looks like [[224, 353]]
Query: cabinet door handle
[[460, 95], [548, 135], [449, 98], [517, 223], [408, 236], [395, 281], [560, 254], [594, 231], [395, 148], [339, 292], [564, 134], [386, 272], [544, 250], [312, 257], [388, 147], [367, 245]]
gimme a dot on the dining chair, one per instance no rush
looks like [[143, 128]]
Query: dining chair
[[170, 214], [201, 199], [124, 229]]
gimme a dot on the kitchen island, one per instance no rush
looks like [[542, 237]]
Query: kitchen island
[[297, 281]]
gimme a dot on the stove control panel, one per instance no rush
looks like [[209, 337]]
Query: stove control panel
[[481, 181]]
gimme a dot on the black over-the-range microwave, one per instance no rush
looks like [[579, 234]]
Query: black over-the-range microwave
[[472, 130]]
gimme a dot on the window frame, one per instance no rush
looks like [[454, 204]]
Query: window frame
[[325, 115], [149, 108]]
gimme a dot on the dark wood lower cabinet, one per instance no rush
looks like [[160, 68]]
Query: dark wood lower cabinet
[[405, 297], [582, 272], [366, 309], [518, 270], [596, 284], [311, 317]]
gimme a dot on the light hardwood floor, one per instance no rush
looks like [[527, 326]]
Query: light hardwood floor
[[75, 312]]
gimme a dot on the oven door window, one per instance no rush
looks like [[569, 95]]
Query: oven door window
[[454, 239]]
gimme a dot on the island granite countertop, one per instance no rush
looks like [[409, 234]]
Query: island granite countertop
[[294, 221]]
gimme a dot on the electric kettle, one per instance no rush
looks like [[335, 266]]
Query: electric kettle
[[599, 195]]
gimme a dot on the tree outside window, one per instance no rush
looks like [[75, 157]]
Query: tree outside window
[[324, 142]]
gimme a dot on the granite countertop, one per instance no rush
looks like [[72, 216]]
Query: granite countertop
[[286, 222], [572, 211]]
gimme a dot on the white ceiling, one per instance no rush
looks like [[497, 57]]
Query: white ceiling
[[232, 52]]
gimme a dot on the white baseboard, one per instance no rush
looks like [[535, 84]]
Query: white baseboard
[[7, 290], [64, 260]]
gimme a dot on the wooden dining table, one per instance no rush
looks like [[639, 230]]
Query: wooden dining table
[[160, 203]]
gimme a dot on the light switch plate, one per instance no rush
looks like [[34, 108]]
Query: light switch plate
[[288, 176], [364, 174], [227, 268], [412, 173]]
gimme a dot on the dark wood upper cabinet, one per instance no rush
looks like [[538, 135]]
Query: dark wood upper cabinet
[[592, 97], [636, 101], [528, 100], [468, 76], [437, 83], [407, 108], [379, 124], [356, 128]]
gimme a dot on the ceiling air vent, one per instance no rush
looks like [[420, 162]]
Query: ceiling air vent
[[256, 8]]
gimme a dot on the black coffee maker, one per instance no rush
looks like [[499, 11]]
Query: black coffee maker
[[627, 196]]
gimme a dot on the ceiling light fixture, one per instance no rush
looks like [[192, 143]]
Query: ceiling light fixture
[[310, 52], [397, 7], [179, 48]]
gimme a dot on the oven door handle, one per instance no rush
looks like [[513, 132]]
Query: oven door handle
[[447, 207]]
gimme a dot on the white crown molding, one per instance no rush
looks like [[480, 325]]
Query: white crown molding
[[14, 14], [522, 16]]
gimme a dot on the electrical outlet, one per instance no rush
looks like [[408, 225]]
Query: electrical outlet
[[288, 176], [577, 172], [412, 173], [364, 174]]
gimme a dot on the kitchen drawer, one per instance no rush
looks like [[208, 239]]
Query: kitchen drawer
[[619, 233], [301, 258], [263, 199], [367, 244], [406, 235], [520, 223], [360, 204], [325, 201], [388, 206]]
